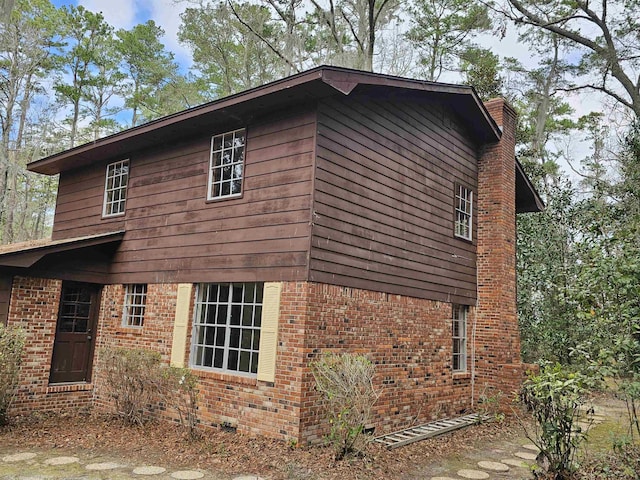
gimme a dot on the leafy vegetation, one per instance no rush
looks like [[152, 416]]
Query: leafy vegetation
[[11, 347], [555, 397]]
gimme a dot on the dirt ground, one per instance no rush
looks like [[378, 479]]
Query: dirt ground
[[228, 454], [232, 454]]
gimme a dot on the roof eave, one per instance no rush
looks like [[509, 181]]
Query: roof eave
[[334, 79]]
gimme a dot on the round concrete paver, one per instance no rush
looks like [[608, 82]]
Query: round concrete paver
[[526, 455], [530, 446], [515, 463], [149, 470], [248, 477], [442, 478], [61, 460], [103, 466], [493, 466], [19, 457], [187, 475], [474, 474]]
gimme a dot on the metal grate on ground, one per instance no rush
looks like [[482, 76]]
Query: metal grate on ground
[[428, 430]]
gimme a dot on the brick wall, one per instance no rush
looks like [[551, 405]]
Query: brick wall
[[34, 308], [498, 365], [408, 339], [156, 333]]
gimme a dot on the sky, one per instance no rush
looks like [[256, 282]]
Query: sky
[[166, 14], [128, 13]]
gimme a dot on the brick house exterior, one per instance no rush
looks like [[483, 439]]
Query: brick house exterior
[[349, 215]]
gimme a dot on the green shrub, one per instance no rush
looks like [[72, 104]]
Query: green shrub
[[346, 383], [554, 398], [11, 348], [133, 380]]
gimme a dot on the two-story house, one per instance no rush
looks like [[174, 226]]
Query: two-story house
[[334, 210]]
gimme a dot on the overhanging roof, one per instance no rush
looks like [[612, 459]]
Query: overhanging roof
[[527, 198], [26, 254], [240, 108]]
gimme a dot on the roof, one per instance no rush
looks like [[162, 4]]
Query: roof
[[26, 254], [241, 108], [527, 197]]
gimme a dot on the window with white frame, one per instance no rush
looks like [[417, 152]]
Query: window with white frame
[[115, 188], [135, 301], [226, 165], [226, 333], [464, 213], [459, 335]]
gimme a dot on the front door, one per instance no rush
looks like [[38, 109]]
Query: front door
[[75, 333]]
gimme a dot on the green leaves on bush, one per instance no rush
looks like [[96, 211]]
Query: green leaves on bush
[[554, 398]]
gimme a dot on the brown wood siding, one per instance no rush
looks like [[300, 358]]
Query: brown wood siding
[[384, 198], [174, 235], [6, 281]]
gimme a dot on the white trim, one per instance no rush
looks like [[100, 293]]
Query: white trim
[[122, 189], [234, 163]]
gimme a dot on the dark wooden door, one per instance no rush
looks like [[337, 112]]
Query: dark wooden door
[[75, 333]]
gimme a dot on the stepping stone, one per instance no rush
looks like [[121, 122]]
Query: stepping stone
[[103, 466], [526, 455], [19, 457], [61, 460], [474, 474], [515, 463], [530, 446], [248, 477], [442, 478], [493, 466], [187, 475], [149, 470]]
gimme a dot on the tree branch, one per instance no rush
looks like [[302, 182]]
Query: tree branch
[[262, 39]]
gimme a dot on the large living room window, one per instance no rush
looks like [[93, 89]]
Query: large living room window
[[227, 321], [459, 335], [226, 165], [115, 188], [464, 213]]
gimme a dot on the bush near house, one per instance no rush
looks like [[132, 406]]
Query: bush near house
[[554, 397], [137, 380], [346, 383], [11, 347]]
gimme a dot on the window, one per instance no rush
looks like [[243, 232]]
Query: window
[[464, 213], [226, 164], [459, 334], [227, 321], [135, 300], [115, 188]]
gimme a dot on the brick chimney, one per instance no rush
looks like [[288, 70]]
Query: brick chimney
[[497, 338]]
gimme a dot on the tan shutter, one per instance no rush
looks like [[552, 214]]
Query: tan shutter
[[181, 324], [269, 332]]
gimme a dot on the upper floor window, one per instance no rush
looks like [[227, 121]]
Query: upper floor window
[[135, 302], [459, 335], [464, 213], [115, 188], [227, 320], [226, 165]]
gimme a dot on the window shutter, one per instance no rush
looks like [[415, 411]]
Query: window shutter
[[269, 332], [181, 324]]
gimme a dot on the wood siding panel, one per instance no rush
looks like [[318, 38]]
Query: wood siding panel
[[173, 234], [384, 199]]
